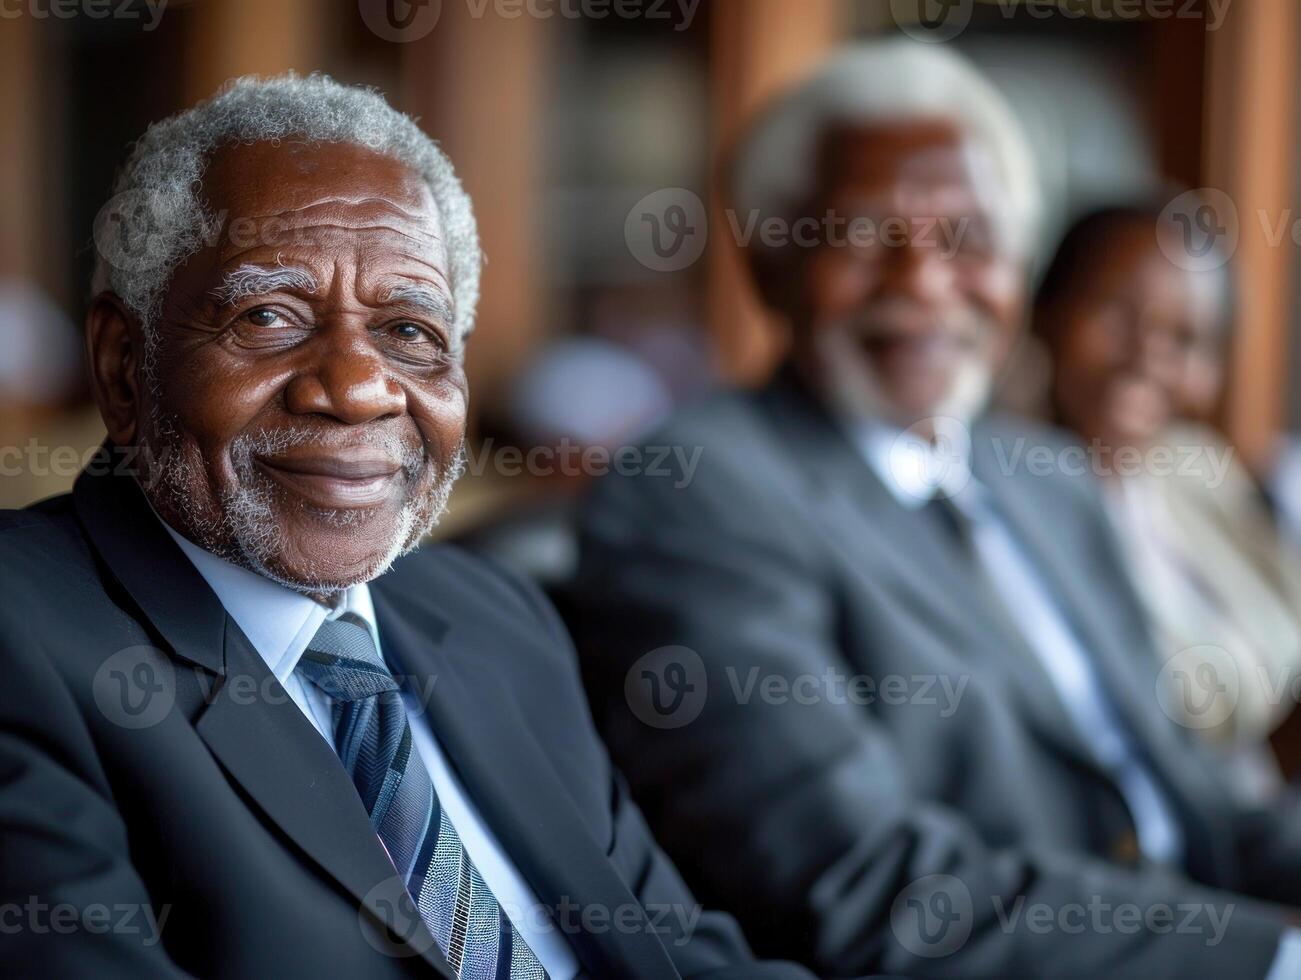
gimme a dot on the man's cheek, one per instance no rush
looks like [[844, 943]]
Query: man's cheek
[[441, 420]]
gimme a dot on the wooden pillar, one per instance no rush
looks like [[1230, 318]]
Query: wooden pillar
[[478, 86], [228, 38], [757, 47], [20, 197], [1249, 148]]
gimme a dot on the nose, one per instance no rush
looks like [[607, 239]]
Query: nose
[[346, 378], [1155, 349], [917, 271]]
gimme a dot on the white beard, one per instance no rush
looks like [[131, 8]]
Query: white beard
[[856, 393], [245, 531]]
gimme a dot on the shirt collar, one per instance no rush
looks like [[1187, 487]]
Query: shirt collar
[[278, 621], [914, 469]]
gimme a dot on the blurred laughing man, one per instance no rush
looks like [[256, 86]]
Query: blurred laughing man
[[234, 743], [917, 705]]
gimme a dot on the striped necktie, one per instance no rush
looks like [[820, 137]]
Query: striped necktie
[[373, 739]]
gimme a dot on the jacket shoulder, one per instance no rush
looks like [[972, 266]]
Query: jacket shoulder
[[1039, 458], [1007, 426], [43, 539], [472, 585], [701, 463]]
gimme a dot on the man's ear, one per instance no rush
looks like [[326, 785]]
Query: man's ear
[[115, 351], [775, 275]]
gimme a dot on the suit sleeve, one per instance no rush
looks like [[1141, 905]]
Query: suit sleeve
[[703, 945], [71, 904], [798, 817]]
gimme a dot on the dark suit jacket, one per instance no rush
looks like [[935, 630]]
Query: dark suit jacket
[[215, 807], [809, 807]]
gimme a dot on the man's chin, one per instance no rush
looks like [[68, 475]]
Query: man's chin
[[324, 565], [324, 552]]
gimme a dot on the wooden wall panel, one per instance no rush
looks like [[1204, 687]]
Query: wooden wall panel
[[756, 48], [1250, 152]]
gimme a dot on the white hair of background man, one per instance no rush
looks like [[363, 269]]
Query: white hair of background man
[[157, 196], [875, 82]]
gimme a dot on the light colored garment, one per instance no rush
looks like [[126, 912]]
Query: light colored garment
[[1222, 589], [915, 473], [279, 623], [900, 462]]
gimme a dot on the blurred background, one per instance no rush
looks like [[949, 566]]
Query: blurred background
[[565, 117]]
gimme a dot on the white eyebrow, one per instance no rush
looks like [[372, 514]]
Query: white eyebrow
[[254, 280], [431, 301]]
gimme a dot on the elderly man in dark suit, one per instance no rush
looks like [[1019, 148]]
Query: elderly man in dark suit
[[875, 672], [233, 744]]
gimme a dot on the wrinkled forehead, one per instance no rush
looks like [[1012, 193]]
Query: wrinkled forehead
[[327, 190], [908, 163], [1127, 256]]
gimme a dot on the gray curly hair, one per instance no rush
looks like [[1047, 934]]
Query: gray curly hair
[[156, 218]]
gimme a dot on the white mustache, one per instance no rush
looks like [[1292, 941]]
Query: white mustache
[[880, 322]]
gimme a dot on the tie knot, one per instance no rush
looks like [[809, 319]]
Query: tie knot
[[342, 661]]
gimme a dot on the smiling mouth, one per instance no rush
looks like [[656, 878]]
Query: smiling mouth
[[340, 481], [931, 349]]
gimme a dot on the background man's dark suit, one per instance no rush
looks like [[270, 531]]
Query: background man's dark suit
[[786, 554], [231, 816]]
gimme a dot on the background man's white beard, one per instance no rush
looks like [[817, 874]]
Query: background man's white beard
[[855, 391]]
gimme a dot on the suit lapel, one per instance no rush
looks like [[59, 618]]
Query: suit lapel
[[1125, 680], [513, 783], [296, 779], [264, 743], [157, 576], [1060, 563], [861, 520]]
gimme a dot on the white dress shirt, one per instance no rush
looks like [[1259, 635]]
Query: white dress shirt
[[914, 472], [280, 622]]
